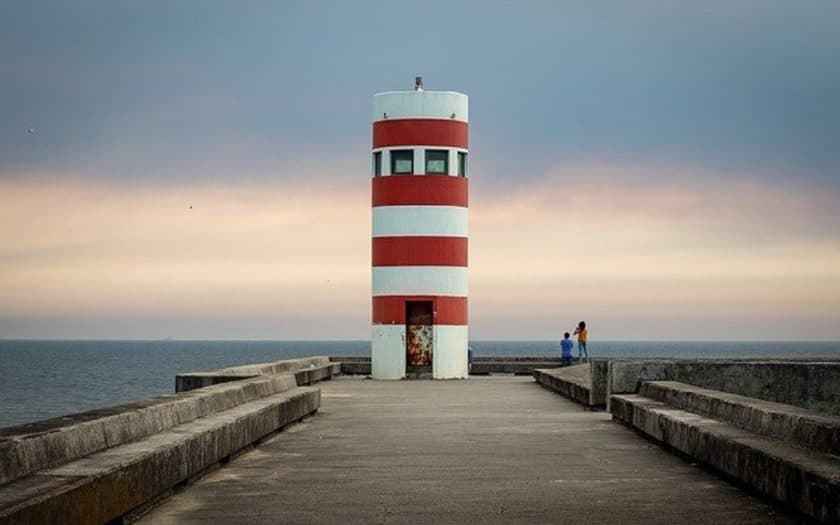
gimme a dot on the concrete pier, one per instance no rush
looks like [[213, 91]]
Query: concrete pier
[[489, 449], [108, 464]]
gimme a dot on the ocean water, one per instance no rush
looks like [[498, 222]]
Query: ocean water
[[43, 379]]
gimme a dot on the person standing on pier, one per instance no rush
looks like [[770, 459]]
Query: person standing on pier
[[566, 346], [582, 334]]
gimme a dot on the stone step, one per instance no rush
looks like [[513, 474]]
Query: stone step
[[106, 485], [28, 448], [805, 480], [787, 422], [307, 370], [317, 373], [572, 382]]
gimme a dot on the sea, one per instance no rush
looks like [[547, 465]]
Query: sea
[[45, 379]]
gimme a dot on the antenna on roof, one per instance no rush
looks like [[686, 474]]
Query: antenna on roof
[[418, 83]]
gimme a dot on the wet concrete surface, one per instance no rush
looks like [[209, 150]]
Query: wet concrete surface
[[489, 449]]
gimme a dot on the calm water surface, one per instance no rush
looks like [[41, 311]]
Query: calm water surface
[[42, 379]]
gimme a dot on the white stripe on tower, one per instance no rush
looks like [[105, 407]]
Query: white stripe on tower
[[440, 221], [420, 104], [420, 280]]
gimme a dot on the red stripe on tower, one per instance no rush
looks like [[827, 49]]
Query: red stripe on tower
[[431, 190], [419, 251], [429, 132], [447, 310]]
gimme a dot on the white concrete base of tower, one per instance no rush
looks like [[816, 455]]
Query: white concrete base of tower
[[387, 351], [449, 357], [449, 352]]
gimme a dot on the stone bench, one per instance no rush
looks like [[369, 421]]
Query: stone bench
[[565, 382], [584, 383], [795, 425], [307, 371], [767, 446], [353, 365], [807, 383], [97, 466]]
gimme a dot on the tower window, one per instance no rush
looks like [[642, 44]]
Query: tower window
[[402, 162], [462, 164], [377, 163], [437, 161]]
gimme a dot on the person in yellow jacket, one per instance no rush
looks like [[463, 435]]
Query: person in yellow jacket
[[582, 334]]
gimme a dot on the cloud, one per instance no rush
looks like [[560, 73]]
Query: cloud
[[596, 241], [279, 249], [145, 91], [613, 242]]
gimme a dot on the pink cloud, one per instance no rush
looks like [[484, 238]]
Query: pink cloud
[[591, 241]]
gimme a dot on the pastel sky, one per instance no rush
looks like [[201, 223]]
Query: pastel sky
[[663, 170]]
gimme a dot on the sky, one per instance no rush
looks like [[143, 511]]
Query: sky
[[662, 170]]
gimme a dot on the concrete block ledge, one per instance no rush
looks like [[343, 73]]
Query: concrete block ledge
[[487, 365], [359, 366], [106, 485], [805, 480], [567, 385], [25, 449], [813, 384], [307, 370], [790, 423], [584, 383], [310, 376]]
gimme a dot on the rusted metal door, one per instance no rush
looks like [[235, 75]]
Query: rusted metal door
[[418, 330]]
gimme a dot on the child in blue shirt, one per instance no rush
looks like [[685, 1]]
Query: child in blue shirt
[[566, 346]]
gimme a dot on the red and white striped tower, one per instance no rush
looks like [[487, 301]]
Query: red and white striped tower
[[419, 166]]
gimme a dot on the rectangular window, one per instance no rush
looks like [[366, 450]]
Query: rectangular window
[[462, 164], [402, 162], [437, 162], [377, 163]]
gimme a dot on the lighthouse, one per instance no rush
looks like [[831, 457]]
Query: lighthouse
[[419, 168]]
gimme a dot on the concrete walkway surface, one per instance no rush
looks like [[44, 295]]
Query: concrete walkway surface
[[485, 450]]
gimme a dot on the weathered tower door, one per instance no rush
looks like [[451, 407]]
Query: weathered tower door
[[418, 335]]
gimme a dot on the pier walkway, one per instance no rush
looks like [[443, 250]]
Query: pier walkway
[[490, 449]]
